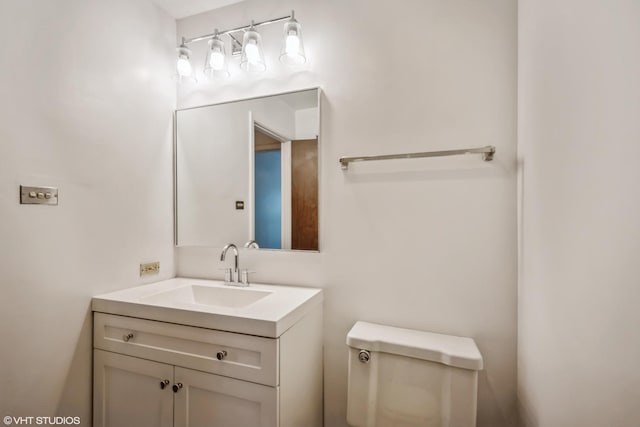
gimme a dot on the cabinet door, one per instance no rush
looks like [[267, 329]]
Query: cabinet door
[[127, 392], [207, 400]]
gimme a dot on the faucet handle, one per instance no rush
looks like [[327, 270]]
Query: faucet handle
[[228, 274], [244, 277]]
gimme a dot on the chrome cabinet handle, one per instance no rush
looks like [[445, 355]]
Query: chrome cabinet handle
[[127, 337], [221, 354], [164, 384], [177, 387]]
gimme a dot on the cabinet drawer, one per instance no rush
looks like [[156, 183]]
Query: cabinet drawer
[[247, 357]]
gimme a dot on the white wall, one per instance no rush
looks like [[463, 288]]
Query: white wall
[[86, 106], [307, 123], [579, 292], [275, 115], [427, 244]]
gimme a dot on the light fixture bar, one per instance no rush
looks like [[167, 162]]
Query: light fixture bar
[[234, 30]]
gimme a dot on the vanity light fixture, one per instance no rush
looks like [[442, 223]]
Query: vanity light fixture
[[248, 47]]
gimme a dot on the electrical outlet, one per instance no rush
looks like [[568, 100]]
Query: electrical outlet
[[149, 268]]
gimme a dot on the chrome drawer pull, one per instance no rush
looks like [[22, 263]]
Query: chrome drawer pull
[[221, 354], [127, 337]]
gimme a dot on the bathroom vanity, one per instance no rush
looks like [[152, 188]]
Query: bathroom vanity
[[188, 352]]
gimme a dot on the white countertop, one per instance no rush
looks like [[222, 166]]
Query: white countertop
[[270, 316]]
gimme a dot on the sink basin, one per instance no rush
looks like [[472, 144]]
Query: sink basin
[[207, 295], [260, 309]]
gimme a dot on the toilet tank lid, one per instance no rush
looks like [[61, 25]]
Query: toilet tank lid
[[459, 352]]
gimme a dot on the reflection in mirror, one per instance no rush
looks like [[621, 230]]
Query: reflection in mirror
[[248, 170]]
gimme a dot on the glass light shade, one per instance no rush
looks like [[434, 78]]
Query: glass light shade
[[215, 65], [292, 52], [252, 59], [184, 69]]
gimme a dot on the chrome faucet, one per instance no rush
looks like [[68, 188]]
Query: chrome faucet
[[231, 276], [234, 277]]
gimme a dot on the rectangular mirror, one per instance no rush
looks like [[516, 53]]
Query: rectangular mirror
[[248, 171]]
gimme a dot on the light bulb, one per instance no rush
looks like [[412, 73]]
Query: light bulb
[[216, 60], [253, 56], [183, 67], [292, 44]]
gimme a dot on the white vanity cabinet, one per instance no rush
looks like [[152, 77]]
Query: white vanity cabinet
[[150, 373]]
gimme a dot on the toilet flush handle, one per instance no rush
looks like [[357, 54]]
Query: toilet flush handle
[[364, 356]]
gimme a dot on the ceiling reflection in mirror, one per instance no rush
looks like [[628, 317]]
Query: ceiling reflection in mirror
[[247, 172]]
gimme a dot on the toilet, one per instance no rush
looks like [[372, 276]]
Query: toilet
[[407, 378]]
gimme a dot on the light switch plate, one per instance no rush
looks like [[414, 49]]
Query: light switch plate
[[38, 195], [149, 268]]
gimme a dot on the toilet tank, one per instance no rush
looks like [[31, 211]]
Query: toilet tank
[[405, 378]]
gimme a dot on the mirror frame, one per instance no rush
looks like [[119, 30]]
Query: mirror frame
[[320, 150]]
